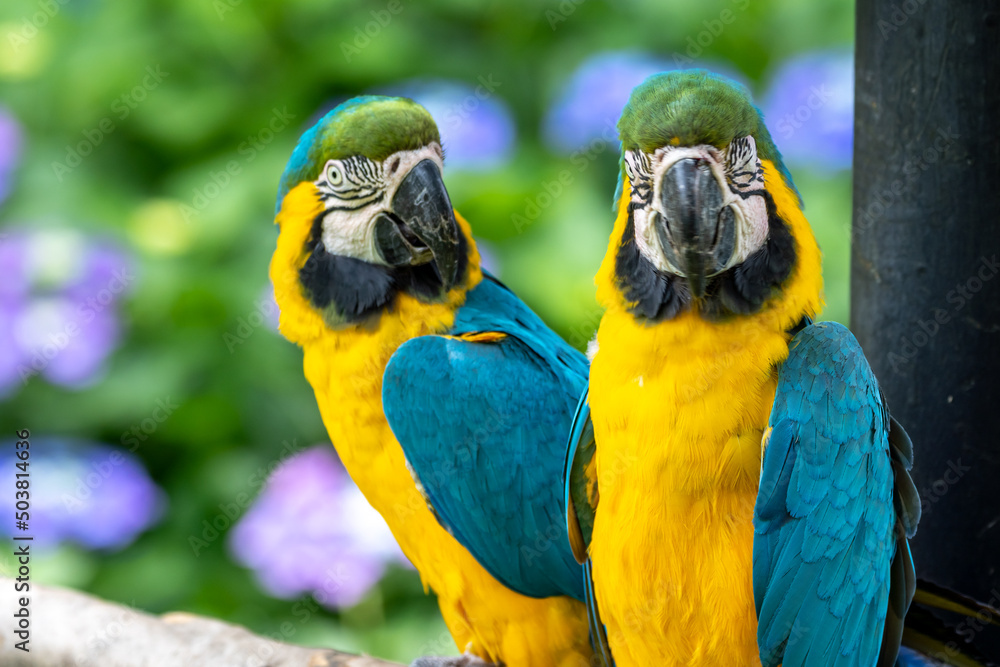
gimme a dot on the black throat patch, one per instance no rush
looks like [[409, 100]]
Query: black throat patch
[[656, 296], [352, 291]]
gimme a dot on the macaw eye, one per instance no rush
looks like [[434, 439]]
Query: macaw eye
[[392, 165], [334, 175]]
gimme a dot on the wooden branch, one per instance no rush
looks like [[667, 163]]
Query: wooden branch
[[72, 628]]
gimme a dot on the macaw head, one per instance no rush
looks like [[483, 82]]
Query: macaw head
[[710, 219], [364, 217]]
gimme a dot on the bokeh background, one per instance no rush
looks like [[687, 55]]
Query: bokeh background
[[178, 458]]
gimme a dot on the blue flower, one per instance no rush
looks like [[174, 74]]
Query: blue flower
[[10, 150], [809, 109], [488, 258], [312, 531], [477, 130], [268, 305], [97, 496], [59, 305], [589, 106]]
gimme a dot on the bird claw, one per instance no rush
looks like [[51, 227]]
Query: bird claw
[[464, 660]]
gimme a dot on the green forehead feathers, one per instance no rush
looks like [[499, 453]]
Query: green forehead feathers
[[687, 108], [692, 107], [372, 126]]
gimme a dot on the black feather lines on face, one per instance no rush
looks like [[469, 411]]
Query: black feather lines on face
[[356, 290], [655, 295]]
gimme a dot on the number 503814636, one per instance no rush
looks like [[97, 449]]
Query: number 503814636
[[22, 482]]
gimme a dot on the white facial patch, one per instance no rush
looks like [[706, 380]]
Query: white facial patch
[[738, 172], [355, 190], [745, 175]]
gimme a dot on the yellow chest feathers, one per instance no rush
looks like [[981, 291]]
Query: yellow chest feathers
[[682, 407], [345, 369]]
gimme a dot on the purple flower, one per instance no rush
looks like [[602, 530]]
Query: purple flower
[[58, 306], [589, 106], [312, 531], [97, 496], [10, 150], [810, 109], [477, 131]]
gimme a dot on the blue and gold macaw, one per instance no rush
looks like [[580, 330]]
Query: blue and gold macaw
[[740, 488], [735, 486], [448, 400]]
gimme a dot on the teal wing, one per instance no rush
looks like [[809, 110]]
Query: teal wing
[[482, 416], [832, 570], [580, 495]]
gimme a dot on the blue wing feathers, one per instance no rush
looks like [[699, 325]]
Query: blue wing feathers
[[483, 426], [825, 520], [776, 474]]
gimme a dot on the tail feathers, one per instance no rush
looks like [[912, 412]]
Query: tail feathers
[[951, 629]]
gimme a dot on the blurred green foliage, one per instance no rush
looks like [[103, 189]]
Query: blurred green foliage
[[210, 74]]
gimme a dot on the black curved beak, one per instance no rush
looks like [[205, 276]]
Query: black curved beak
[[697, 230], [422, 226]]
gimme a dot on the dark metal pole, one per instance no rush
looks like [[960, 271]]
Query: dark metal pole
[[925, 273]]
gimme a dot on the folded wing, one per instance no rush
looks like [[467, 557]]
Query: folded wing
[[833, 575], [482, 416]]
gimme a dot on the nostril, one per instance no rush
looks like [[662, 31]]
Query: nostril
[[393, 165]]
